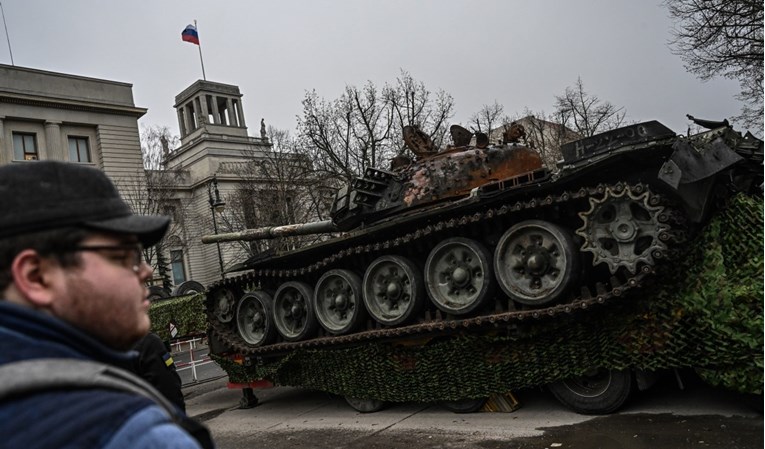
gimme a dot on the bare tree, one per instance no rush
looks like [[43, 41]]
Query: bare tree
[[489, 118], [156, 144], [413, 104], [347, 135], [153, 191], [363, 128], [723, 38], [276, 188], [585, 113]]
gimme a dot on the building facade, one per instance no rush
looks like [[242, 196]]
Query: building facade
[[55, 116], [47, 115], [214, 147]]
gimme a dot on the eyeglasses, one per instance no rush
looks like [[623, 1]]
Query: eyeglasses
[[129, 256]]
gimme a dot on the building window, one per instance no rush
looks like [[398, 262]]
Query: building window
[[25, 147], [79, 150], [179, 271]]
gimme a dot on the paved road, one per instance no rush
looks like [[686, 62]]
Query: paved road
[[663, 417]]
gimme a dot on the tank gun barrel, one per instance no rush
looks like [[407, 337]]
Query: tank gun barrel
[[272, 232]]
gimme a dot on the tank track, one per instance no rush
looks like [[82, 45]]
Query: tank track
[[671, 235]]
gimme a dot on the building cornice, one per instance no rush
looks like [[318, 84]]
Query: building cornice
[[207, 87], [73, 105]]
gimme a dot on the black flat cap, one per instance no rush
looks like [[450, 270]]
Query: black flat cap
[[43, 195]]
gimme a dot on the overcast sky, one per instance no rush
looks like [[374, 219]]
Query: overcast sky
[[519, 53]]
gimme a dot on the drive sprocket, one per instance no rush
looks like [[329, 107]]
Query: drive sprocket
[[623, 228]]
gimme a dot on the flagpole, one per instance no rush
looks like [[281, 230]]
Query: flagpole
[[7, 37], [200, 53]]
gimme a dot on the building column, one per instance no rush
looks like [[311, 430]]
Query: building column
[[204, 112], [189, 112], [6, 151], [240, 113], [181, 122], [231, 112], [54, 150], [216, 111], [195, 108]]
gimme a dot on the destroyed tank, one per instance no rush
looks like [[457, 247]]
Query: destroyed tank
[[480, 238]]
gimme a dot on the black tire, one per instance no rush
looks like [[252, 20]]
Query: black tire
[[597, 393], [366, 405], [464, 405], [157, 293], [188, 287]]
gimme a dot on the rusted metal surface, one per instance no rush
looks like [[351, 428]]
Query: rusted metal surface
[[457, 171], [418, 142]]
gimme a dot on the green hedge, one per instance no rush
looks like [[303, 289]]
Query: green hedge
[[187, 312]]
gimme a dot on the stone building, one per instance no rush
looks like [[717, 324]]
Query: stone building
[[214, 145], [47, 115]]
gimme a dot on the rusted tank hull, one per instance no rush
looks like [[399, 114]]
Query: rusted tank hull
[[456, 172]]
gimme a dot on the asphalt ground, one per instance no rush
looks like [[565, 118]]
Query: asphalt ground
[[663, 417]]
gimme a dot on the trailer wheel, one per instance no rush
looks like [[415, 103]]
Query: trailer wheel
[[157, 293], [366, 405], [464, 405], [188, 287], [599, 392]]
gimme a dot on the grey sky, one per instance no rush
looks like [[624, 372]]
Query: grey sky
[[519, 53]]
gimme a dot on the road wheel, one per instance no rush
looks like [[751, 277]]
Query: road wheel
[[254, 319], [536, 262], [293, 311], [598, 392], [224, 305], [458, 275], [393, 290], [366, 405], [338, 302]]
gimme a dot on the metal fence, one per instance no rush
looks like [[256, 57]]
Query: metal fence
[[192, 357]]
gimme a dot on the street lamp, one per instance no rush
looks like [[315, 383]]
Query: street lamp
[[216, 205]]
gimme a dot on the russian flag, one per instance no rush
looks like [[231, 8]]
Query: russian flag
[[189, 34]]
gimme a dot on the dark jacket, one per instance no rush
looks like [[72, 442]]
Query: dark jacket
[[86, 418], [155, 365]]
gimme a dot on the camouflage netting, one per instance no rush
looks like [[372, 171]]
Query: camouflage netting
[[186, 312], [705, 312]]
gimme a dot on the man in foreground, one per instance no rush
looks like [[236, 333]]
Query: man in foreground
[[73, 290]]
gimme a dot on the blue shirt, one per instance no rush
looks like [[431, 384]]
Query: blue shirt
[[82, 418]]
